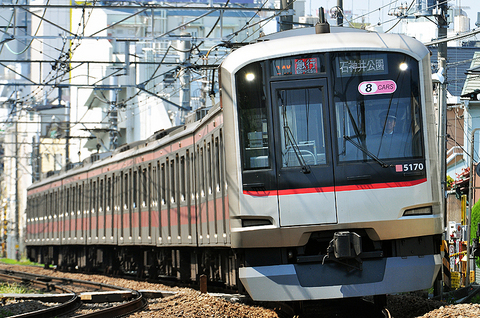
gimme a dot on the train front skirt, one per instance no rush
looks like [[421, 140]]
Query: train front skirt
[[292, 282]]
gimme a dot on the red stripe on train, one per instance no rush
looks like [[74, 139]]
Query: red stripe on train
[[385, 185]]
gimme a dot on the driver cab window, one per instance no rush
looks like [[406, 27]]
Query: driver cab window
[[252, 116]]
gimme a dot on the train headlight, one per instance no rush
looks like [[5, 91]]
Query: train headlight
[[418, 211], [249, 77], [403, 66]]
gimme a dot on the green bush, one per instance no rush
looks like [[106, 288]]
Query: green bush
[[474, 222], [15, 262]]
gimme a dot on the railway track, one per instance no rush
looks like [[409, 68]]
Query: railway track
[[98, 294], [74, 297]]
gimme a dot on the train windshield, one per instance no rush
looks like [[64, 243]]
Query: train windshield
[[377, 106]]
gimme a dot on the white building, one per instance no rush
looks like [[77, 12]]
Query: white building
[[101, 78]]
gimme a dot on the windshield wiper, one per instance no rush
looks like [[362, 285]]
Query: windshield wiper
[[368, 153], [296, 150], [290, 137]]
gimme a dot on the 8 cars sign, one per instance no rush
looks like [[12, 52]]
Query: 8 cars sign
[[377, 87]]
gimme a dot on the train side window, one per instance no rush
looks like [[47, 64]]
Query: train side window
[[252, 114]]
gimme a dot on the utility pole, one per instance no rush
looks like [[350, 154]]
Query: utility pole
[[67, 124], [339, 12], [17, 191], [184, 53], [286, 21], [442, 26]]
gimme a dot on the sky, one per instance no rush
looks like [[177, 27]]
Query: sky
[[361, 7]]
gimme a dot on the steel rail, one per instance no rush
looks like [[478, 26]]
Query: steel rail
[[65, 307], [53, 283], [136, 304]]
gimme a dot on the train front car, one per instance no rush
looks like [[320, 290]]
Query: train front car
[[333, 177]]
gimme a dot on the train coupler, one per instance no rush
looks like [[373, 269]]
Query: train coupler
[[345, 248]]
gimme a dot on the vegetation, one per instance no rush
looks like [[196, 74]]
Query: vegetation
[[450, 182], [474, 227], [7, 288], [15, 262]]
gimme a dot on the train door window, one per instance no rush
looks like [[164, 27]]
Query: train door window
[[188, 190], [101, 206], [54, 219], [148, 181], [144, 188], [154, 185], [161, 195], [122, 202], [141, 196], [94, 208], [163, 184], [217, 165], [182, 178], [73, 213], [222, 182], [302, 131], [202, 173], [134, 189], [108, 206], [109, 195], [172, 181], [44, 215], [125, 195], [67, 213], [168, 192], [101, 197], [177, 191], [252, 114], [79, 211], [209, 168], [132, 205], [113, 202]]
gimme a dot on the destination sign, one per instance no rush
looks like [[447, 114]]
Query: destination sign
[[366, 64], [296, 66]]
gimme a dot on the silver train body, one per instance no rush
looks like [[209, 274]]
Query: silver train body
[[317, 167], [295, 187]]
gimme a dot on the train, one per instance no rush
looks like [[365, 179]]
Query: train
[[316, 176]]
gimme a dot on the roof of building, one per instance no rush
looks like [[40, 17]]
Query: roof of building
[[459, 59], [472, 82]]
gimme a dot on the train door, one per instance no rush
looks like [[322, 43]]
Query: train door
[[305, 179]]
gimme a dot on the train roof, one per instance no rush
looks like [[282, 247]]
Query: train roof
[[301, 41], [158, 139]]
